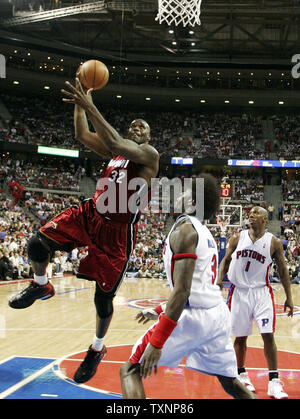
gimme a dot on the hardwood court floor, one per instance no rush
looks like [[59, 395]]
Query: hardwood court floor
[[64, 325]]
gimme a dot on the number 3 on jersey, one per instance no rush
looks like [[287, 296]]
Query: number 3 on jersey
[[214, 268]]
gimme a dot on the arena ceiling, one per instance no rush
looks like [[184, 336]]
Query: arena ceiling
[[260, 31]]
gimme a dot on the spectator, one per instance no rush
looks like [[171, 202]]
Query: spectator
[[5, 266]]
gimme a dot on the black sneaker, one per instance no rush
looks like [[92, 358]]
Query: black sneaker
[[33, 292], [89, 365]]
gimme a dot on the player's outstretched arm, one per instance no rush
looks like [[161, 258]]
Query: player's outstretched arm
[[224, 265], [277, 254], [183, 240]]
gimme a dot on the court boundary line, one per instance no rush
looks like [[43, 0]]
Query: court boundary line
[[26, 380]]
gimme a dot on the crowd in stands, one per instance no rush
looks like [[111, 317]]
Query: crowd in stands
[[191, 134], [188, 133], [290, 190], [146, 260], [287, 137], [44, 174]]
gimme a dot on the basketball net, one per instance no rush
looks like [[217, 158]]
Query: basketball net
[[185, 12]]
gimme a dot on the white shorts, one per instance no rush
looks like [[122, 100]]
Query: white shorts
[[203, 336], [248, 305]]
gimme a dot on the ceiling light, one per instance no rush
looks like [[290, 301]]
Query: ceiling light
[[193, 44], [281, 102], [46, 87], [119, 96], [148, 98], [202, 101], [174, 43], [16, 82], [177, 100], [227, 101]]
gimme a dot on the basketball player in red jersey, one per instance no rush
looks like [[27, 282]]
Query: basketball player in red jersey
[[248, 259], [109, 232]]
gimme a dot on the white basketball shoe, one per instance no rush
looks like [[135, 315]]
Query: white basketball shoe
[[275, 389], [243, 377]]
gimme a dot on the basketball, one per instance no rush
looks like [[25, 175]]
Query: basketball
[[93, 74]]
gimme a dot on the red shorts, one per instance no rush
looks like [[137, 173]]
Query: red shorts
[[109, 243]]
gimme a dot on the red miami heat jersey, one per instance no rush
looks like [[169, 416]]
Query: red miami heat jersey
[[204, 291], [251, 262], [112, 196]]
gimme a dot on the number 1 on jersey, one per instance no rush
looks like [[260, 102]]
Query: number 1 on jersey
[[247, 266]]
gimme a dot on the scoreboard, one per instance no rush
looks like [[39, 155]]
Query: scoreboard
[[226, 190]]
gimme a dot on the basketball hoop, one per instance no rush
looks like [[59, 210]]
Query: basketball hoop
[[185, 12]]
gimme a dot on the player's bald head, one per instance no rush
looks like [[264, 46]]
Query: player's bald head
[[263, 212], [260, 212]]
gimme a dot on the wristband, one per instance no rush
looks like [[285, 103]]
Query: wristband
[[162, 331], [158, 309]]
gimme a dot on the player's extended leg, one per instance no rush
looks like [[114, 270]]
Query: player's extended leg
[[40, 288], [96, 351], [235, 388], [131, 381]]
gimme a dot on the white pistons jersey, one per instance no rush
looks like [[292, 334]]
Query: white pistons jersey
[[204, 292], [251, 262]]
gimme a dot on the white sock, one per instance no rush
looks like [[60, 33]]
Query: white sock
[[97, 343], [41, 280]]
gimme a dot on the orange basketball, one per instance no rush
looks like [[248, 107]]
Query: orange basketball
[[93, 74]]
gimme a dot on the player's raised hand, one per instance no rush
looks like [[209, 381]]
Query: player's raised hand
[[77, 95]]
